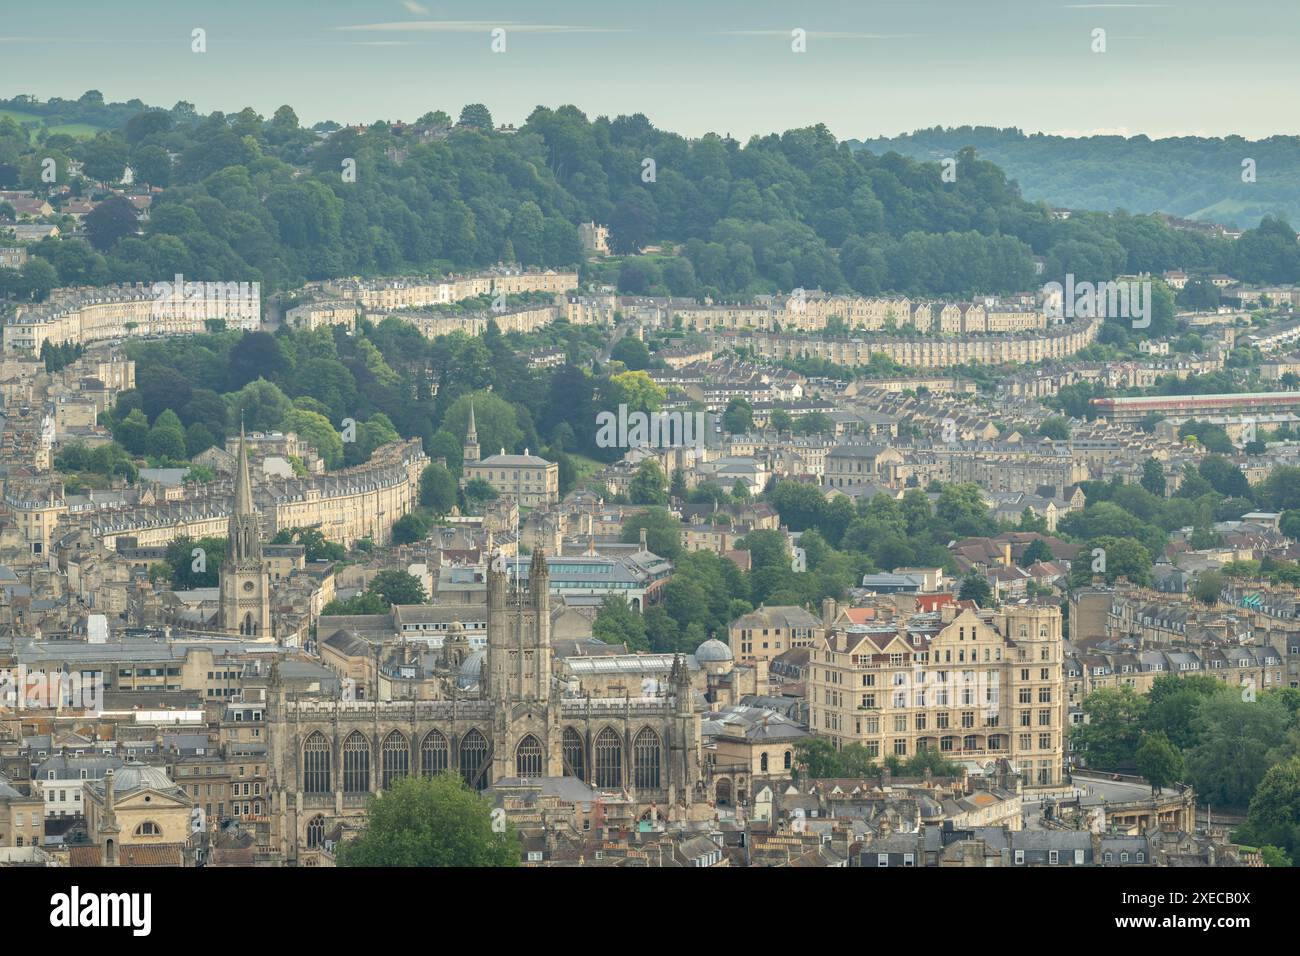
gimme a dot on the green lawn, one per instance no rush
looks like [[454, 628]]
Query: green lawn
[[79, 130]]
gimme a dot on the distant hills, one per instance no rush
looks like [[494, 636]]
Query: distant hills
[[1193, 177]]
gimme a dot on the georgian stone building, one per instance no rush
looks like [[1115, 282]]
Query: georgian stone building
[[503, 716], [971, 686]]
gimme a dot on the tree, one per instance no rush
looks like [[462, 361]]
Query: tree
[[632, 352], [617, 623], [1056, 428], [476, 115], [1109, 738], [437, 489], [1036, 551], [648, 486], [975, 587], [431, 821], [167, 438], [662, 531], [111, 220], [1274, 814], [1274, 856], [1153, 477], [410, 527], [398, 587], [1235, 738], [256, 355], [495, 420], [1208, 587], [818, 756], [1158, 761], [739, 416]]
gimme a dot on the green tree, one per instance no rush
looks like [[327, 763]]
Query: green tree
[[648, 486], [819, 756], [1158, 761], [1109, 738], [411, 527], [1236, 736], [617, 623], [437, 489], [397, 587], [1036, 551], [738, 417], [167, 438], [662, 531], [477, 116], [975, 587], [1208, 587], [431, 821], [1153, 477], [1274, 814]]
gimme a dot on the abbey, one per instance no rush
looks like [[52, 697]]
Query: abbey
[[504, 715]]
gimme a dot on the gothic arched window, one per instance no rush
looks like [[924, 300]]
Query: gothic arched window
[[315, 832], [575, 764], [316, 764], [396, 753], [356, 764], [434, 754], [646, 753], [473, 759], [608, 759], [528, 757]]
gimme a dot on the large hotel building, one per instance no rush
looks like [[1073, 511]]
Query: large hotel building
[[974, 686]]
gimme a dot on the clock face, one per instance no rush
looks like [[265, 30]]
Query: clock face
[[248, 585]]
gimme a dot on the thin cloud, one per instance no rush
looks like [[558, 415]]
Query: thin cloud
[[818, 35], [474, 26], [1119, 6], [413, 7]]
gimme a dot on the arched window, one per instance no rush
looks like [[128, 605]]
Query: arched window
[[356, 764], [316, 764], [396, 753], [473, 759], [609, 759], [787, 760], [148, 828], [434, 754], [528, 757], [572, 751], [315, 832], [646, 759], [762, 762]]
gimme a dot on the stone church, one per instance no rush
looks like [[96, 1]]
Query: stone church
[[245, 583], [512, 719]]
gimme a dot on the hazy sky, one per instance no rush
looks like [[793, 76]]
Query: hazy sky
[[872, 67]]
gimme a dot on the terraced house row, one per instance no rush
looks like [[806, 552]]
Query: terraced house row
[[80, 316], [980, 348]]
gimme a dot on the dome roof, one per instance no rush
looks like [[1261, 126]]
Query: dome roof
[[470, 668], [713, 651], [136, 776]]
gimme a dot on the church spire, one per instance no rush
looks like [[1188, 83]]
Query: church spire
[[243, 486], [471, 437]]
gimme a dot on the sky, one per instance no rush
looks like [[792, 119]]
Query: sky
[[870, 67]]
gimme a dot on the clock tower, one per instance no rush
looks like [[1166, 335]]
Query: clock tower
[[245, 583]]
